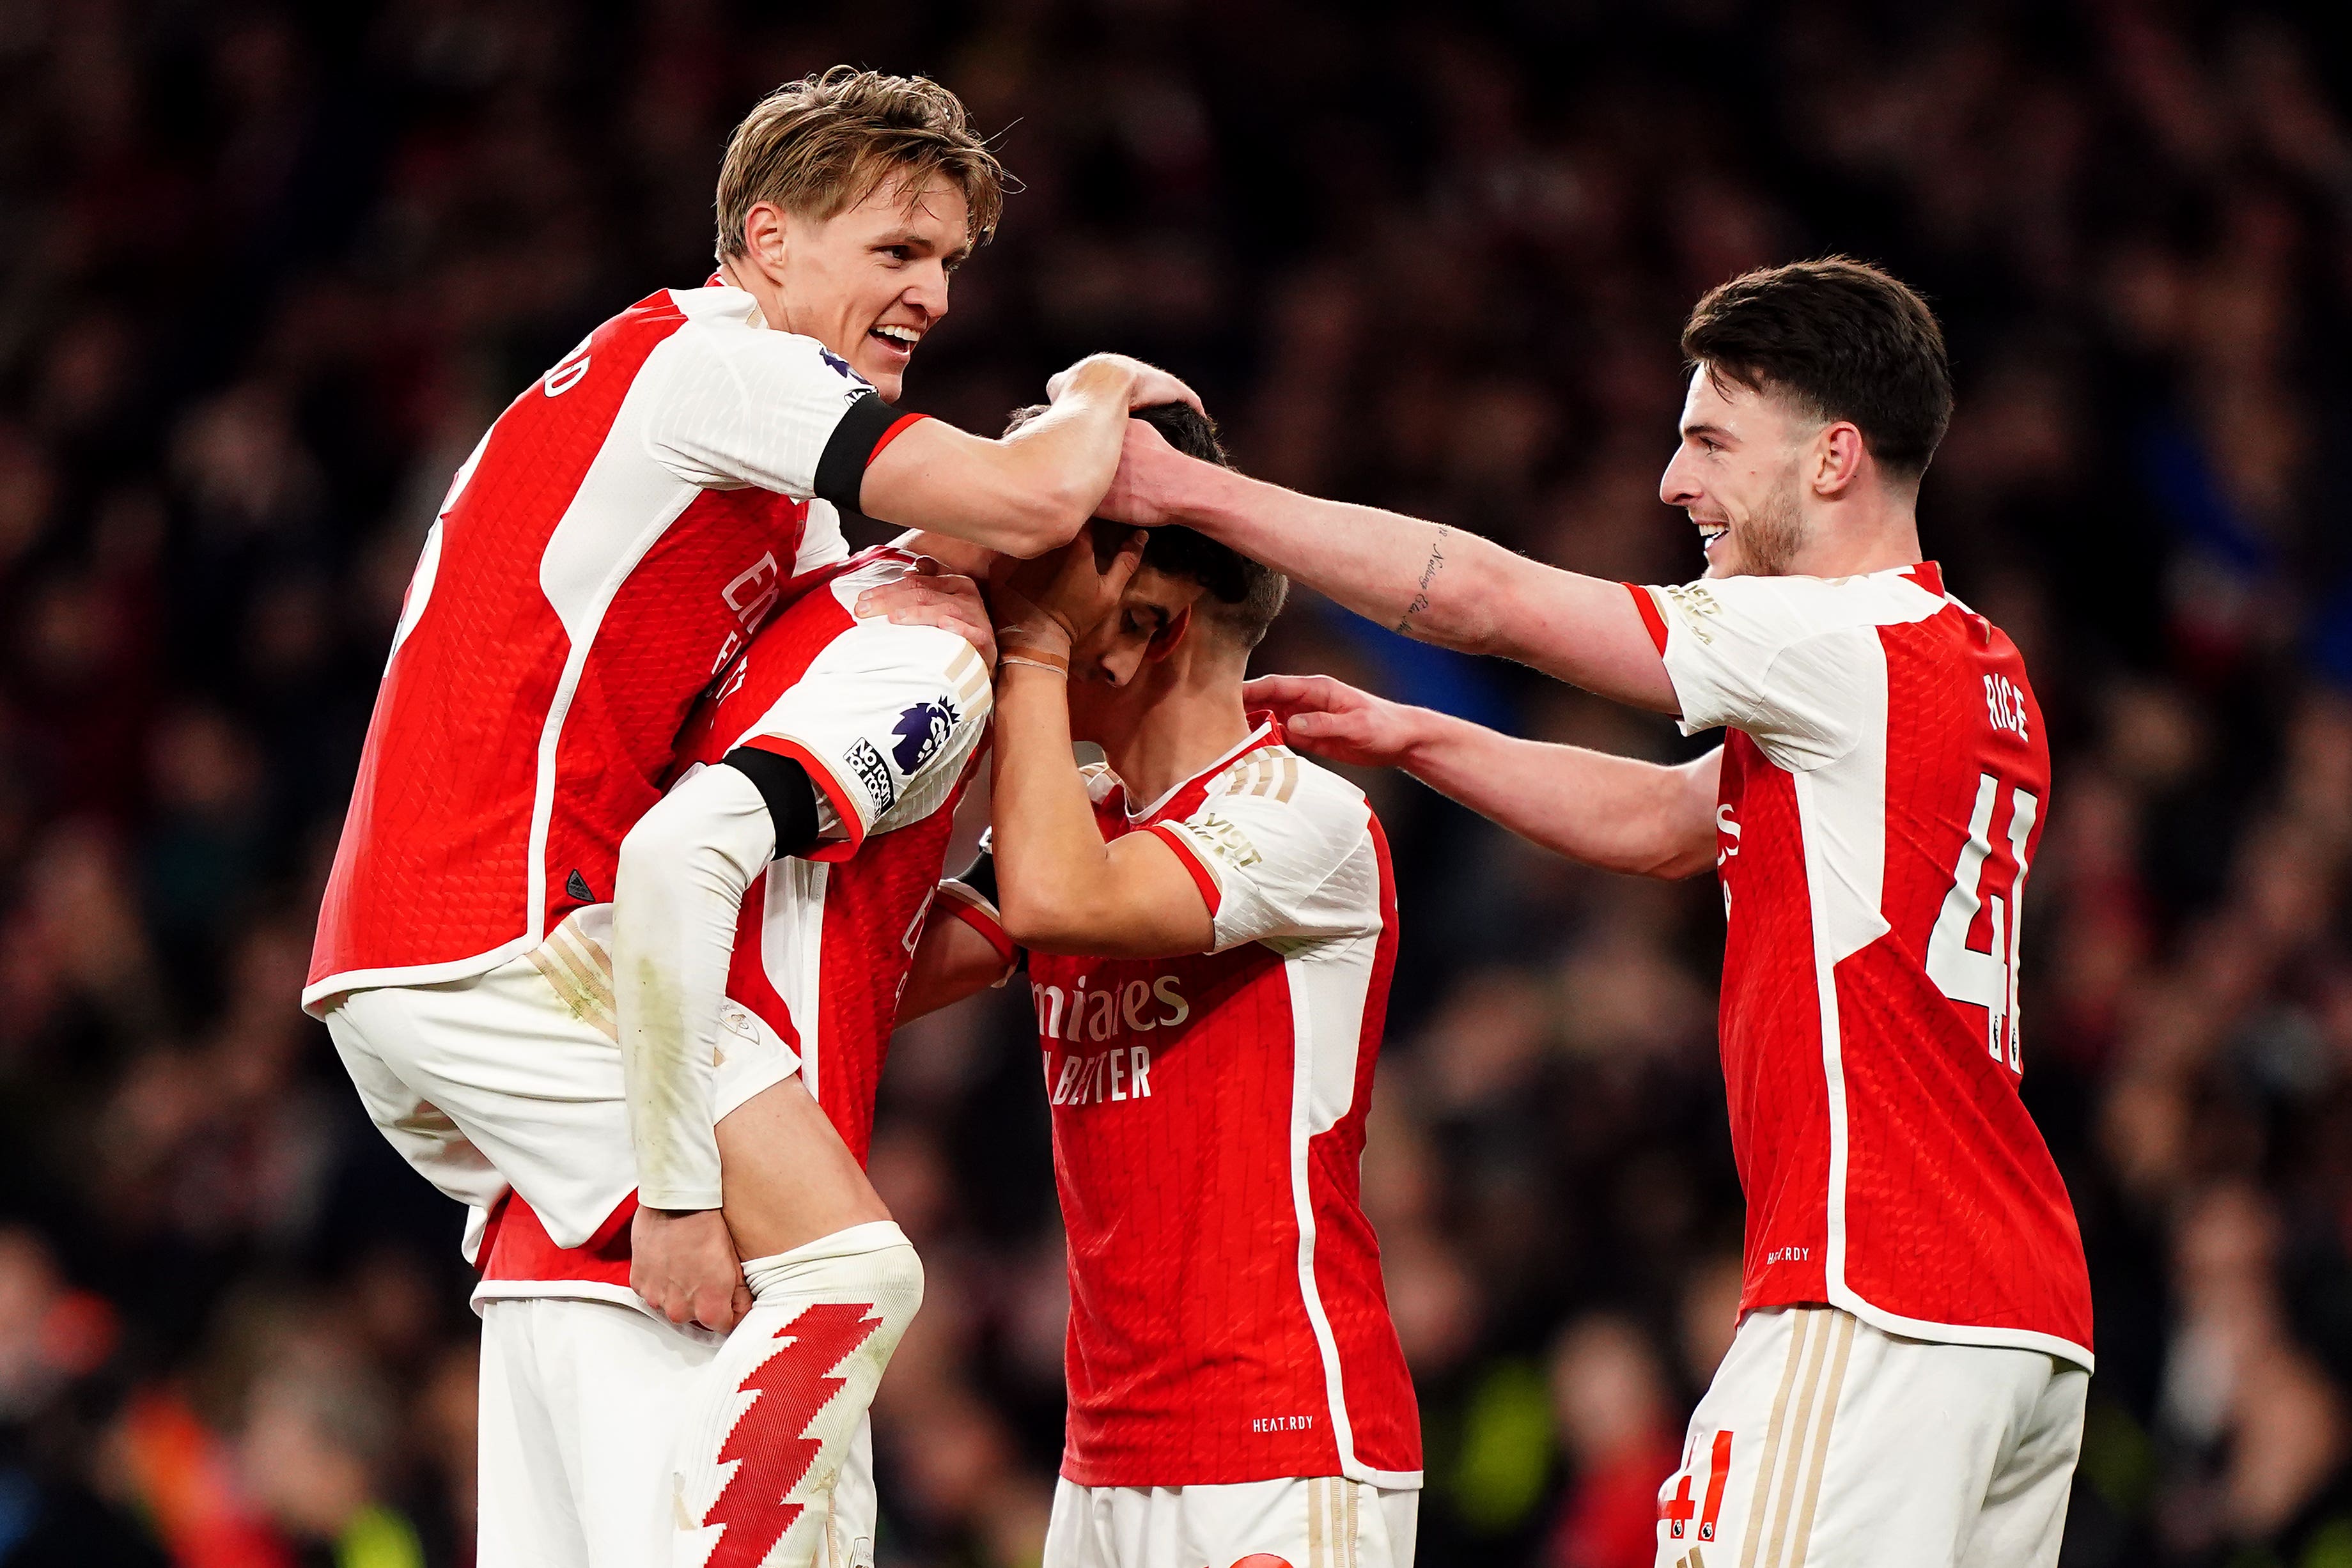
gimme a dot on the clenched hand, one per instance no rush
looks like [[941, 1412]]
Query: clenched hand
[[683, 1262]]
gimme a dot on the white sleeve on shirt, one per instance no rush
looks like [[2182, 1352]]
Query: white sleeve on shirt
[[884, 719], [822, 543], [684, 870], [1291, 855], [748, 407], [1773, 657]]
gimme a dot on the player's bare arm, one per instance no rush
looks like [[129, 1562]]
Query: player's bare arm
[[1425, 579], [1060, 887], [1615, 813], [952, 961], [1030, 491], [964, 947]]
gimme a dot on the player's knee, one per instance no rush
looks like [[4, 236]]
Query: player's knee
[[898, 1276]]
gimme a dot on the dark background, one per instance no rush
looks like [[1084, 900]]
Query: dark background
[[267, 272]]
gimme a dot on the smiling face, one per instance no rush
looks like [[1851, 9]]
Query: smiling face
[[1738, 473], [869, 281]]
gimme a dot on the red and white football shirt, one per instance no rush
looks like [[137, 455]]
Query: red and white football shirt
[[619, 532], [1885, 785], [1227, 1318], [888, 720]]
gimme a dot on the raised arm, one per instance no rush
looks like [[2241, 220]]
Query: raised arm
[[1612, 812], [1028, 492], [1061, 888], [1423, 579]]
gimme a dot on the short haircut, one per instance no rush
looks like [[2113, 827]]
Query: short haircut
[[1239, 595], [1840, 337], [821, 145]]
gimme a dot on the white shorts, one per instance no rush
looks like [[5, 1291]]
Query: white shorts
[[580, 1408], [1316, 1522], [1826, 1442], [513, 1078]]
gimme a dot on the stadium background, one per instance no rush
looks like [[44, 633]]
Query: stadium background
[[265, 273]]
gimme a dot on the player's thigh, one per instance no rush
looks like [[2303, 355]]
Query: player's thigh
[[524, 1077], [1401, 1525], [1118, 1527], [789, 1178], [1734, 1442], [613, 1382], [1321, 1522], [1823, 1443], [422, 1134], [525, 1512], [2024, 1518], [1929, 1437], [631, 1378], [1075, 1526]]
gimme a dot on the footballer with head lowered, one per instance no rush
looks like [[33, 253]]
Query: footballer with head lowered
[[1210, 925], [1872, 814]]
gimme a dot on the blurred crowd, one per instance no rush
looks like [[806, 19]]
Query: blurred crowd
[[267, 271]]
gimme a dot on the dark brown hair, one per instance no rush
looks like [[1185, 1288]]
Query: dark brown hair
[[1238, 593], [1840, 337], [821, 145]]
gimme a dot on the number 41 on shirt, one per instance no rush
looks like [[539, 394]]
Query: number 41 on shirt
[[1986, 978]]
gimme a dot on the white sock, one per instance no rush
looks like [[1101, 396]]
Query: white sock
[[763, 1437], [781, 1270]]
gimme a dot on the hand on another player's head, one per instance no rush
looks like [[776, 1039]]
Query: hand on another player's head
[[930, 595], [1146, 385], [1051, 602], [1332, 719], [1151, 477]]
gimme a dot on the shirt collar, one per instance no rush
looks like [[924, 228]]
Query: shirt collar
[[731, 300], [1265, 730]]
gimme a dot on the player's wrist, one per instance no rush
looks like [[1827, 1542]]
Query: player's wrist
[[1029, 627], [1043, 639], [1420, 732], [1207, 497], [1016, 656]]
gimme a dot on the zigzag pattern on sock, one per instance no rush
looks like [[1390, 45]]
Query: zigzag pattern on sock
[[792, 1387]]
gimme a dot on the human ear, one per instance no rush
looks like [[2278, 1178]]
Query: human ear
[[767, 237], [1838, 463], [1166, 641]]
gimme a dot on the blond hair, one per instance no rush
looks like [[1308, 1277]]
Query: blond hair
[[821, 145]]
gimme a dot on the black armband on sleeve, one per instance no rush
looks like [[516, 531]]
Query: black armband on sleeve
[[790, 792], [864, 431]]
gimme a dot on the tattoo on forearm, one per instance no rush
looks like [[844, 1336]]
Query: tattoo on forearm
[[1436, 564]]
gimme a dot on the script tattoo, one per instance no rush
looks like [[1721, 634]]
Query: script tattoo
[[1428, 575]]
